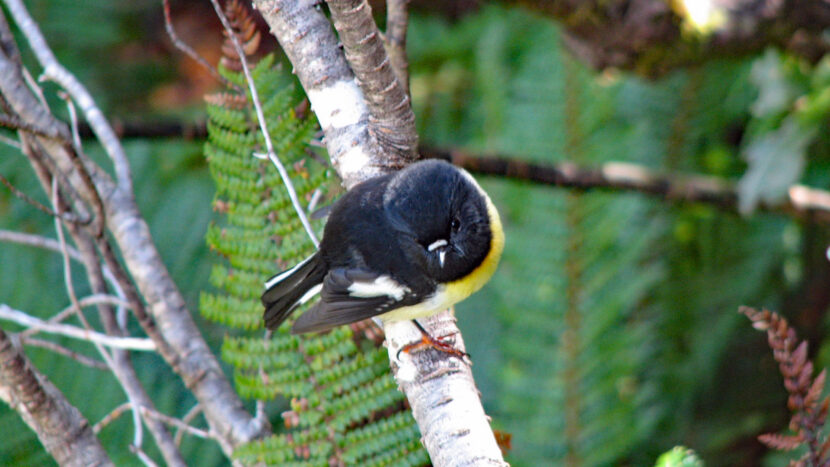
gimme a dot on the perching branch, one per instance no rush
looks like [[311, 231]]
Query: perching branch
[[440, 388]]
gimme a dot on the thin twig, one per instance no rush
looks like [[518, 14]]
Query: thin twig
[[181, 45], [74, 151], [67, 216], [96, 299], [111, 417], [801, 202], [188, 417], [67, 268], [11, 142], [53, 245], [25, 319], [15, 123], [142, 456], [33, 86], [176, 423], [80, 358], [272, 155]]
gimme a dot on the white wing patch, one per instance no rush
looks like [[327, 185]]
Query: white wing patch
[[383, 285]]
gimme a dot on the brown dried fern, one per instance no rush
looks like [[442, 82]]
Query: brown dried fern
[[244, 27], [809, 411]]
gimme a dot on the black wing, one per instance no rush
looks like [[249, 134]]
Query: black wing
[[351, 295], [285, 291]]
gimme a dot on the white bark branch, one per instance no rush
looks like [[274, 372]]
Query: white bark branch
[[308, 40], [440, 388], [24, 319]]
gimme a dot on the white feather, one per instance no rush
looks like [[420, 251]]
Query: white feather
[[279, 277], [383, 285], [437, 244], [310, 294]]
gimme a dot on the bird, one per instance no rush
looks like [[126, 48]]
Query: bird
[[399, 246]]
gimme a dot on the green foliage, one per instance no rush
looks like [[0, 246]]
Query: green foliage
[[573, 380], [679, 457], [609, 332], [790, 109], [344, 402]]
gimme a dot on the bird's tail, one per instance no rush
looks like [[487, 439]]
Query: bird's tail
[[290, 289]]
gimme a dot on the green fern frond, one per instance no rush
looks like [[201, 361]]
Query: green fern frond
[[336, 385]]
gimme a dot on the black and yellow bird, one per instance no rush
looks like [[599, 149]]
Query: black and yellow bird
[[399, 246]]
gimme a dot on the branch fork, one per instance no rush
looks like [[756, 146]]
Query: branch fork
[[360, 98]]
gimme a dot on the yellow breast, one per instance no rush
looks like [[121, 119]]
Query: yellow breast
[[451, 293]]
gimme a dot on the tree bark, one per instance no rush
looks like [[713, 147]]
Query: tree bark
[[440, 388], [61, 428]]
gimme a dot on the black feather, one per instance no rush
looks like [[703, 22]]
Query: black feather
[[338, 307], [282, 297]]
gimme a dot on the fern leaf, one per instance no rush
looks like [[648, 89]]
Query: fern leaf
[[337, 384]]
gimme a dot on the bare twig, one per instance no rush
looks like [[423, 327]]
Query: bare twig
[[188, 417], [67, 268], [272, 155], [80, 358], [397, 21], [391, 122], [176, 423], [37, 241], [96, 299], [181, 45], [111, 417], [802, 202], [25, 319], [54, 71], [10, 142], [67, 216], [142, 456], [15, 123]]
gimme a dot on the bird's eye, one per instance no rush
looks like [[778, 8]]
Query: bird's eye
[[455, 225]]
